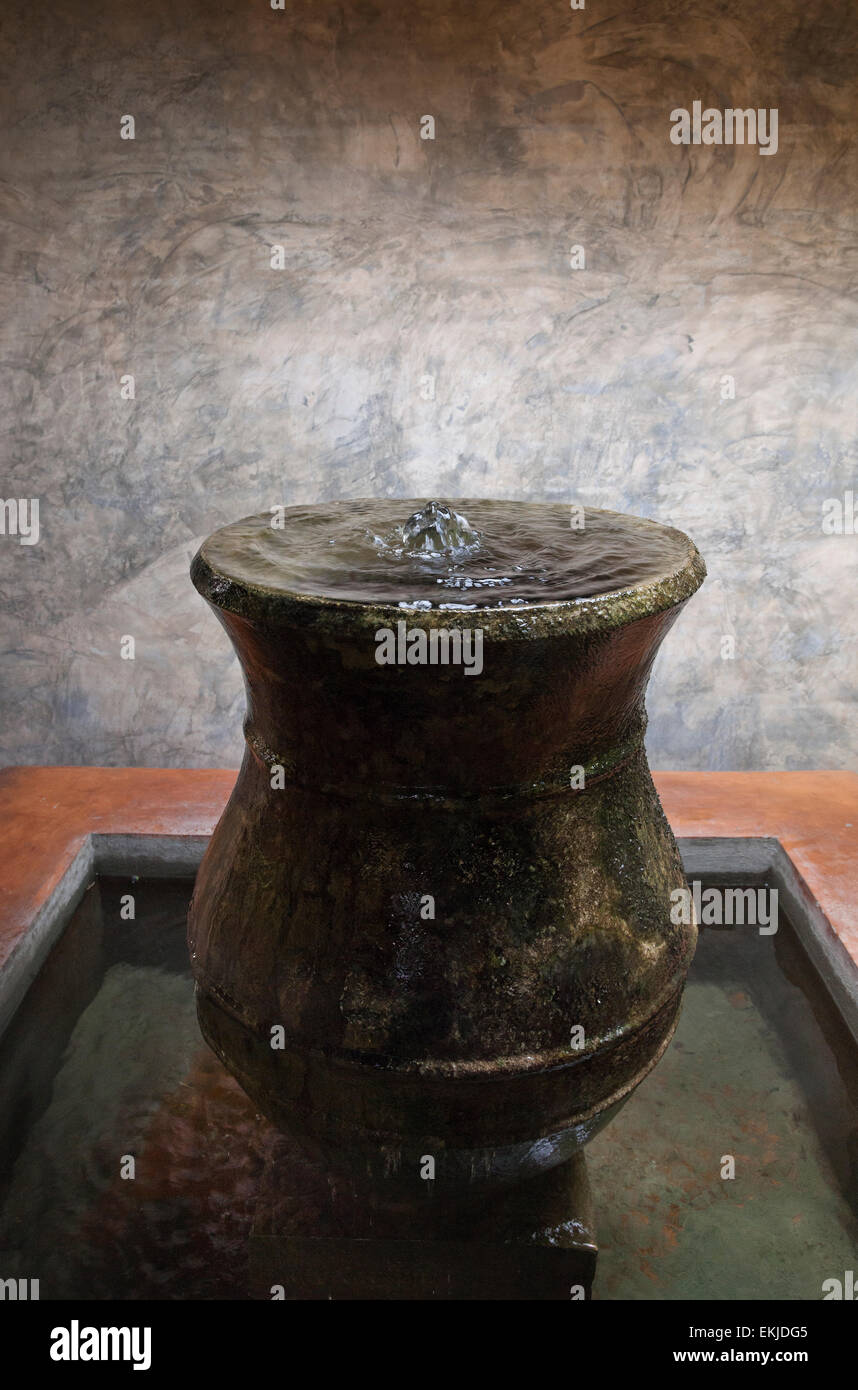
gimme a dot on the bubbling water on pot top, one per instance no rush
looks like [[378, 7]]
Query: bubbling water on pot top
[[463, 555]]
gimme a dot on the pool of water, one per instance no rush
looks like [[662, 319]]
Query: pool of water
[[104, 1064], [464, 554]]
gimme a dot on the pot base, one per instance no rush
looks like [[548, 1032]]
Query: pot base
[[536, 1241], [487, 1139]]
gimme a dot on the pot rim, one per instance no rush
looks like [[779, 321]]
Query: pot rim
[[595, 613]]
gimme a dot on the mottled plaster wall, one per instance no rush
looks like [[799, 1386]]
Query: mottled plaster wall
[[406, 258]]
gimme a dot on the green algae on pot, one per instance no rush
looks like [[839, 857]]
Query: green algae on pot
[[434, 919]]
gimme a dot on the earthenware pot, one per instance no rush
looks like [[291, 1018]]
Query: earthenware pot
[[434, 920]]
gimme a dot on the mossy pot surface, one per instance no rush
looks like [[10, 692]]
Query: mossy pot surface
[[435, 917]]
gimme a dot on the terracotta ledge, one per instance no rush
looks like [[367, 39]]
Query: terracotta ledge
[[47, 815]]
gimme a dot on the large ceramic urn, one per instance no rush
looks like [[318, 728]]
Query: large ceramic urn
[[434, 920]]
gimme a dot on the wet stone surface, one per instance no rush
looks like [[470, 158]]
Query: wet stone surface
[[471, 553]]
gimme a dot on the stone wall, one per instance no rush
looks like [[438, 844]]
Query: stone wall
[[426, 334]]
